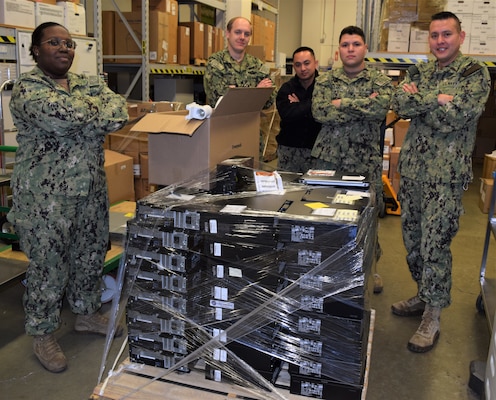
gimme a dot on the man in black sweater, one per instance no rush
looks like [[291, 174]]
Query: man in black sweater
[[294, 104]]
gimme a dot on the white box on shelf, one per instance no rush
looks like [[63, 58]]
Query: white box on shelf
[[482, 45], [460, 6], [18, 13], [74, 17], [48, 13], [484, 7], [483, 25], [419, 41]]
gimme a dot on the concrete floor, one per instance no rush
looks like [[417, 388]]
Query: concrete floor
[[395, 373]]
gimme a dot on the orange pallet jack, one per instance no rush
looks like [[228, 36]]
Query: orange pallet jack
[[391, 204]]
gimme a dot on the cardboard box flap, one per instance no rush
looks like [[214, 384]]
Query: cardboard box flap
[[242, 100], [170, 122]]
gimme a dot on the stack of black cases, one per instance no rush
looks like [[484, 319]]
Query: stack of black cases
[[250, 283]]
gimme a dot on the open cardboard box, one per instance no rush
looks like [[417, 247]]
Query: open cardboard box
[[181, 149]]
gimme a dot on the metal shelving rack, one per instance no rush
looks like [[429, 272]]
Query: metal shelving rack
[[145, 69]]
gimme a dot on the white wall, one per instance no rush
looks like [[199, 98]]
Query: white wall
[[289, 30], [322, 22]]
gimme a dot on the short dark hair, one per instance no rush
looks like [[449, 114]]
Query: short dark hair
[[38, 34], [352, 30], [304, 48], [447, 15]]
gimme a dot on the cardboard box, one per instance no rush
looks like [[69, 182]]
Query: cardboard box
[[197, 39], [48, 13], [256, 51], [120, 180], [180, 149], [208, 41], [17, 13], [144, 166], [394, 157], [486, 189], [219, 39], [158, 36], [108, 34], [154, 5], [400, 129], [74, 17], [52, 2], [183, 42], [419, 41], [132, 144], [489, 165]]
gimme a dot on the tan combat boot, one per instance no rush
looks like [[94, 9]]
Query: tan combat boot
[[428, 332], [49, 353], [408, 308], [95, 323]]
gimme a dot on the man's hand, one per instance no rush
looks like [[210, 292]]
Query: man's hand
[[293, 98], [443, 99], [410, 88], [265, 83]]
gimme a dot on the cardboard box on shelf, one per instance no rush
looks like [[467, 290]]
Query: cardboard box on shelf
[[120, 180], [53, 2], [181, 149], [219, 39], [183, 42], [256, 51], [158, 37], [17, 13], [108, 34], [197, 39], [74, 17], [486, 188], [154, 5], [208, 41]]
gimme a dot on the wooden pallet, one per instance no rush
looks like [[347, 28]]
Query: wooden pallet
[[142, 382]]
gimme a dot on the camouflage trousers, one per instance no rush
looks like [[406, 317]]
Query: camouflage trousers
[[430, 215], [65, 240], [294, 159]]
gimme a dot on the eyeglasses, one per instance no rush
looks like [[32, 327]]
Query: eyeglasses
[[56, 42]]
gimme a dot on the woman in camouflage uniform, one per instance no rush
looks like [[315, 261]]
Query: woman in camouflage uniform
[[60, 201]]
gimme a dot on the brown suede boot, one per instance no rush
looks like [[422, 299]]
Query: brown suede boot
[[49, 353], [95, 323], [428, 332], [408, 308]]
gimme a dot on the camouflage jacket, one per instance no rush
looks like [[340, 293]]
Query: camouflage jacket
[[60, 134], [223, 71], [350, 135], [440, 140]]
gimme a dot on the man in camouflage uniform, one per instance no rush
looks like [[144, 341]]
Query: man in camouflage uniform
[[294, 104], [232, 67], [60, 201], [351, 102], [444, 99]]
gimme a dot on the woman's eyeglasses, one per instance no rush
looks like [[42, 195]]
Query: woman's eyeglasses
[[56, 42]]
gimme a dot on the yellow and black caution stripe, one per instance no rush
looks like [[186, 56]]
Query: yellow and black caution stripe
[[176, 71], [411, 60], [394, 60], [7, 39]]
